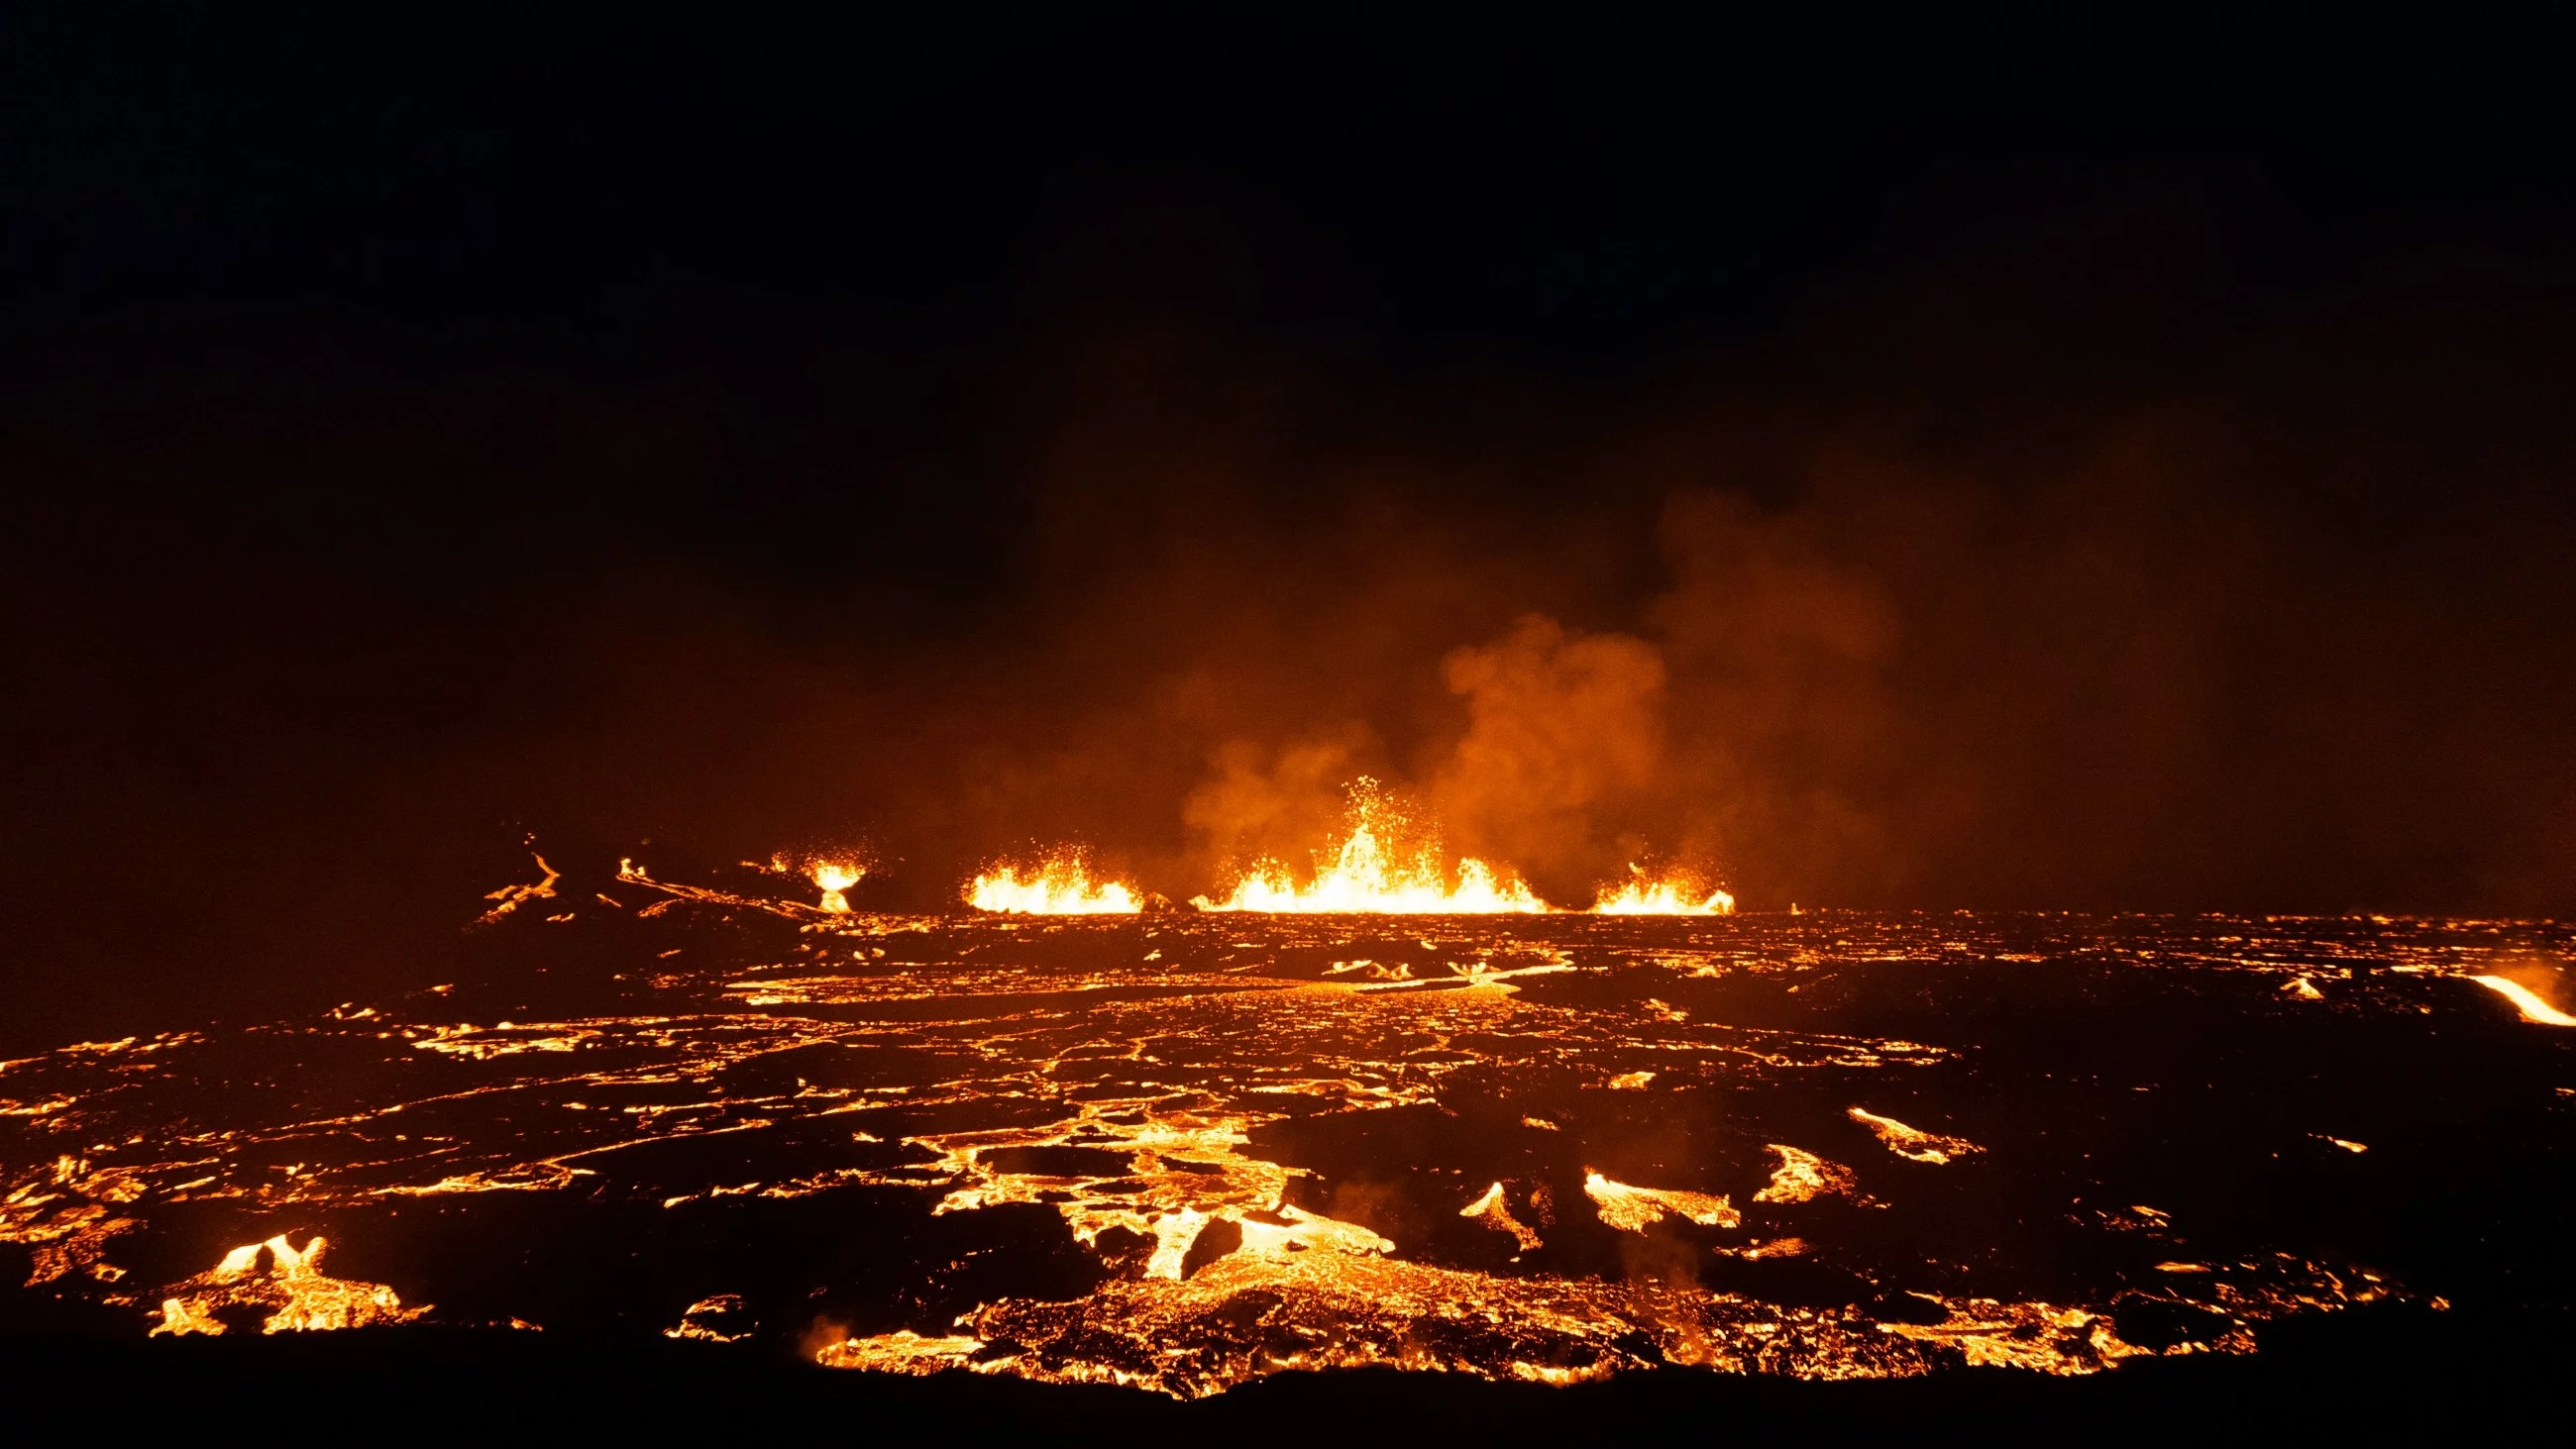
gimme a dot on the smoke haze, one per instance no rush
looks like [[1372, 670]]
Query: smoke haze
[[2135, 543], [1841, 668]]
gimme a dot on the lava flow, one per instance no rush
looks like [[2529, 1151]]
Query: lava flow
[[2525, 1000]]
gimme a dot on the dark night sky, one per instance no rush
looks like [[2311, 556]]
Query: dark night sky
[[2117, 467]]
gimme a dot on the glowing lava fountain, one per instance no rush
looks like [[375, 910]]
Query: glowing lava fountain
[[1672, 896], [1060, 885], [1382, 863], [834, 879]]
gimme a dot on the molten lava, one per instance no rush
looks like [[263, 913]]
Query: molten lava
[[511, 897], [1913, 1142], [1635, 1209], [2525, 1000], [294, 1293], [1494, 1211], [1802, 1176], [1168, 1161], [1383, 862], [1674, 895], [834, 879], [1060, 885]]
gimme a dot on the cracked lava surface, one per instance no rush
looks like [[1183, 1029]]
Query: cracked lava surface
[[1182, 1150]]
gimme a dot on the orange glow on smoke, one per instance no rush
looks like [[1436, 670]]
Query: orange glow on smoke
[[1383, 862], [1674, 895], [1061, 885]]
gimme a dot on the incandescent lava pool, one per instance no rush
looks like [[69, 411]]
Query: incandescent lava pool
[[1182, 1151]]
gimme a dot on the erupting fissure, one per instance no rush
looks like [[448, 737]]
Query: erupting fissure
[[1385, 862], [1677, 894], [1060, 885], [1385, 859], [834, 879]]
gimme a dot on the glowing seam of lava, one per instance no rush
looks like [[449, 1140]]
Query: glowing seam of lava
[[1671, 896], [706, 1320], [511, 897], [1061, 885], [1470, 974], [1374, 870], [465, 1039], [529, 1177], [632, 874], [1913, 1142], [2526, 1001]]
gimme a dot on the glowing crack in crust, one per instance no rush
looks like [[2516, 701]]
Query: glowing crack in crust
[[715, 1319]]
